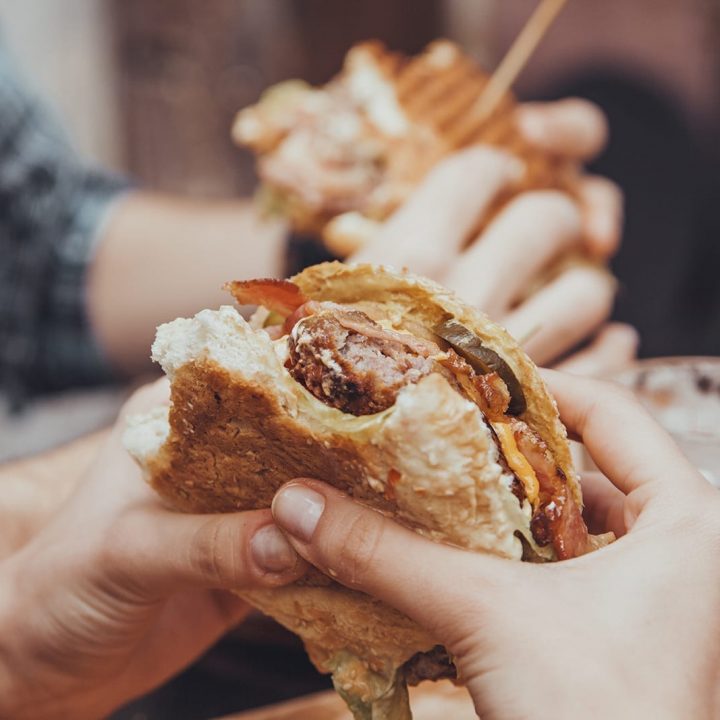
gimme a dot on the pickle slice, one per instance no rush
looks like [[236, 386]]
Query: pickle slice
[[482, 359]]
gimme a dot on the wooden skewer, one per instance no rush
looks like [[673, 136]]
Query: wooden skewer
[[518, 55]]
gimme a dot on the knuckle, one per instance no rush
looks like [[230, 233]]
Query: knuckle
[[358, 548], [593, 284], [603, 394], [692, 515], [709, 520], [481, 602], [215, 555], [548, 204], [482, 158]]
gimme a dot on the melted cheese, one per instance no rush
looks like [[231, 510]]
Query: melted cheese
[[517, 461]]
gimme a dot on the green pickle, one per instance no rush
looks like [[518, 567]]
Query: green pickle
[[482, 359]]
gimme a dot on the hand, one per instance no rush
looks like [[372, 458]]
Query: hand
[[117, 593], [429, 235], [32, 489], [629, 631]]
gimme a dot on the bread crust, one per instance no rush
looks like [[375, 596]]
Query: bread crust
[[423, 107], [423, 301], [239, 427]]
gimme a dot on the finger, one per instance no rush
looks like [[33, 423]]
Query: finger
[[162, 552], [366, 551], [574, 128], [426, 233], [603, 211], [604, 509], [146, 398], [626, 444], [518, 244], [563, 313], [612, 349]]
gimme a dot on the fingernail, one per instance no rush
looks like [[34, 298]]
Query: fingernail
[[298, 510], [271, 551]]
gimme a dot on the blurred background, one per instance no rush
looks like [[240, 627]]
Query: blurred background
[[149, 88]]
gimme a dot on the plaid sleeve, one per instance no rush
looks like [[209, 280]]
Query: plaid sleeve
[[51, 211]]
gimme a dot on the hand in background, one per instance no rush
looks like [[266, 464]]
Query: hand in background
[[429, 235], [117, 593], [628, 631]]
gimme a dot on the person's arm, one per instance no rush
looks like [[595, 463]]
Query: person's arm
[[90, 265], [51, 207], [160, 257], [629, 631]]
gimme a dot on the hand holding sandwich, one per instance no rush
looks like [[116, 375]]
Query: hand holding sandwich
[[502, 271], [92, 619], [629, 631], [118, 593]]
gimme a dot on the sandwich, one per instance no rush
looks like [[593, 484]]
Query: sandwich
[[393, 390], [337, 160]]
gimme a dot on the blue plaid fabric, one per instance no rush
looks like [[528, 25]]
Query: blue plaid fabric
[[51, 209]]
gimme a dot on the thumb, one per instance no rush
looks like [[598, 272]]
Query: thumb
[[364, 550], [171, 551]]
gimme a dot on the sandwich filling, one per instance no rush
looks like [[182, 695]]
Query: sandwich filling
[[347, 146], [349, 361], [332, 156]]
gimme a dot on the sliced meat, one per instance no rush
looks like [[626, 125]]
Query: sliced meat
[[488, 391], [346, 360], [557, 519], [280, 296], [360, 323]]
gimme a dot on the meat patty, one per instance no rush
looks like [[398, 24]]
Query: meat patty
[[435, 664], [348, 361], [360, 373]]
